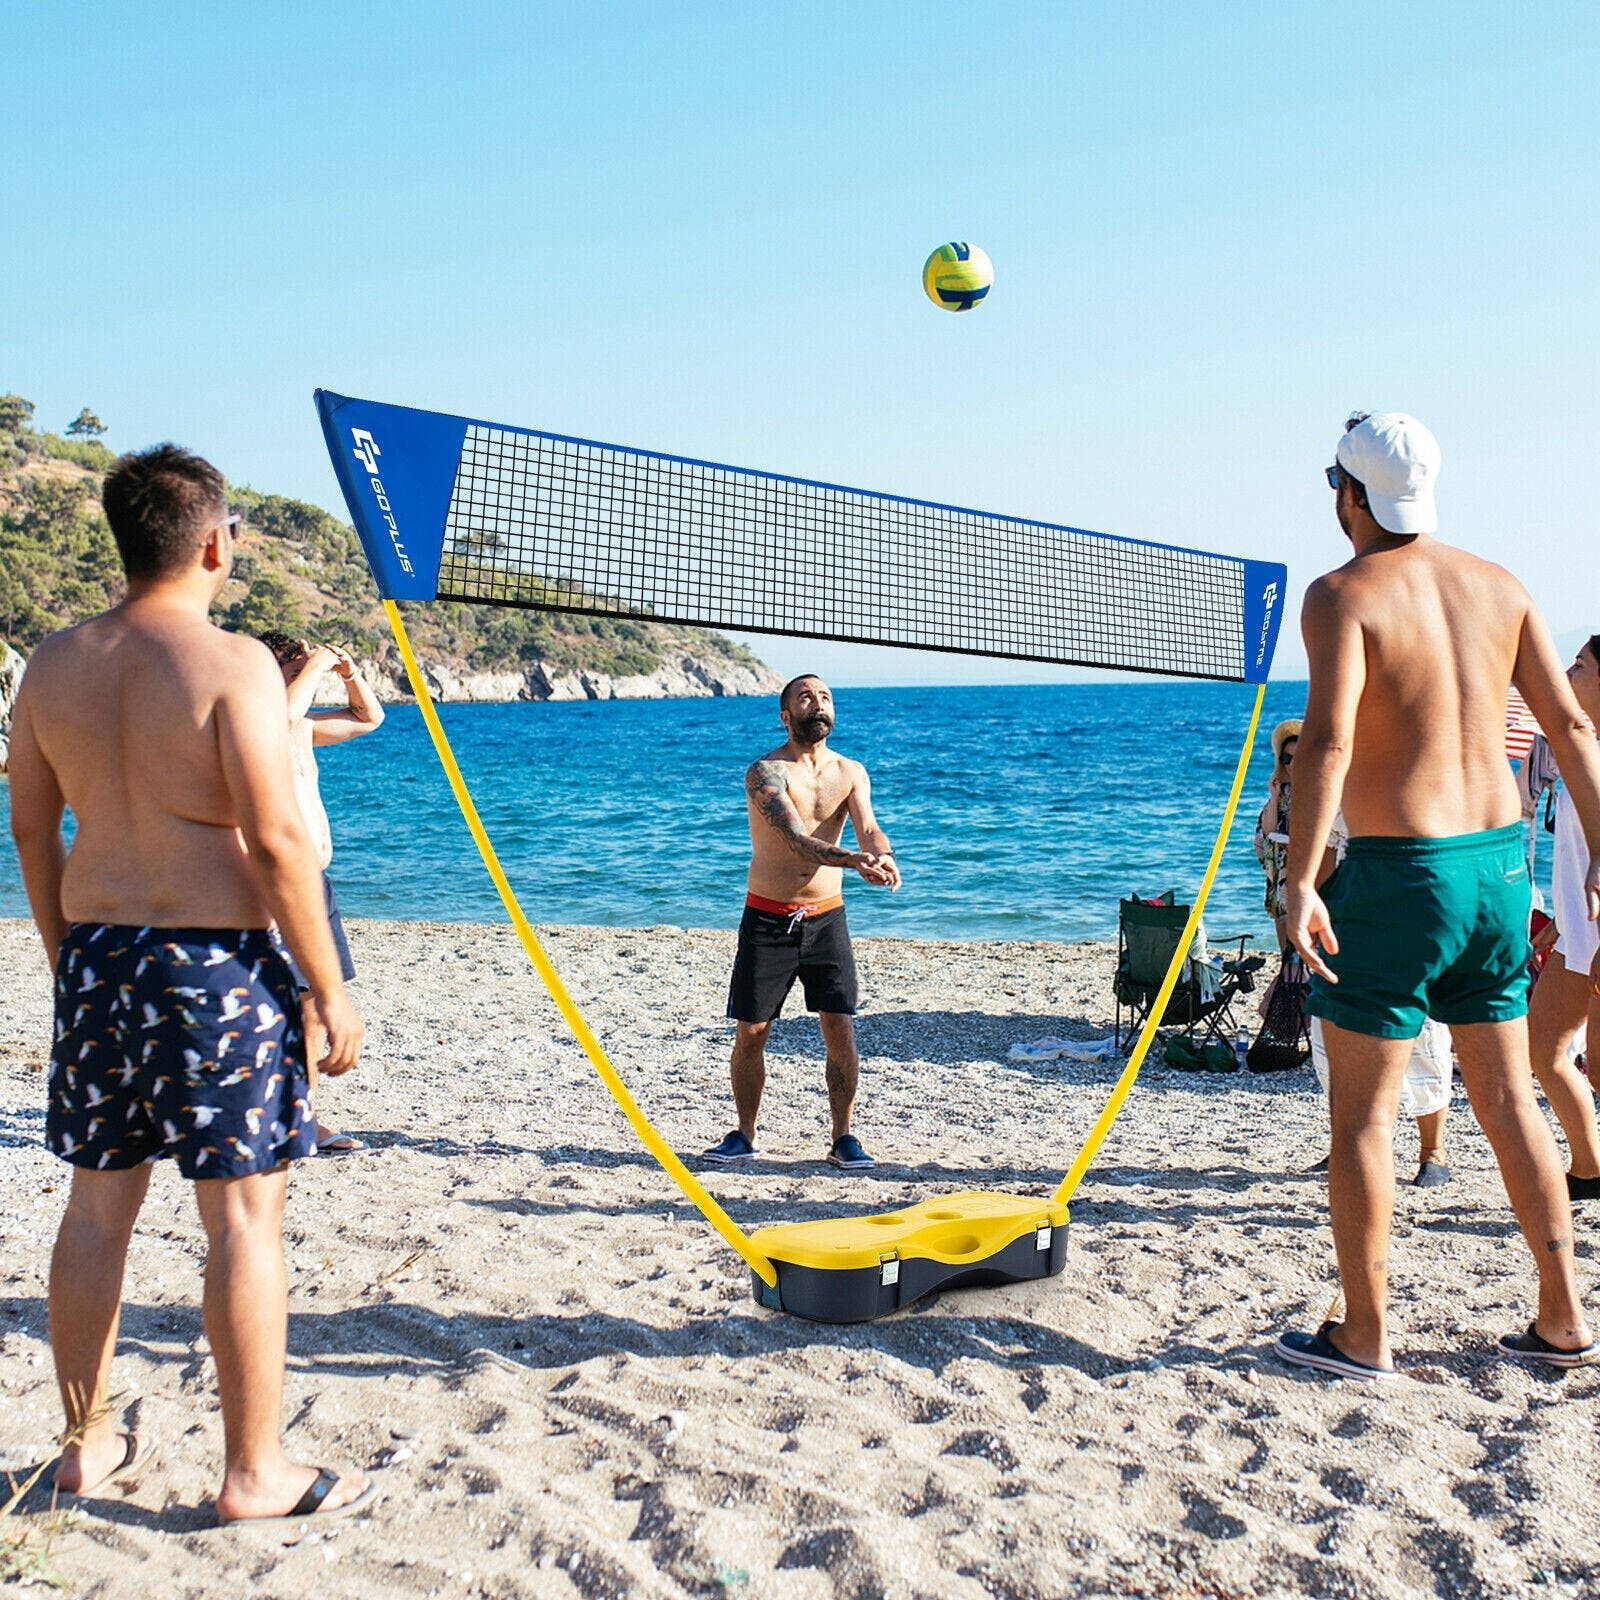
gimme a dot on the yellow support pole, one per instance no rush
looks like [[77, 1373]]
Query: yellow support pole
[[652, 1141], [1097, 1134]]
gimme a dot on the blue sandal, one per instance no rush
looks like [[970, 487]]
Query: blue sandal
[[849, 1153], [731, 1147], [1533, 1346], [1319, 1351]]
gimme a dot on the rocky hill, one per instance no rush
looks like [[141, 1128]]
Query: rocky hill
[[302, 570]]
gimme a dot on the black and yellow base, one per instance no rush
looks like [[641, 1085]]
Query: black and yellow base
[[853, 1269]]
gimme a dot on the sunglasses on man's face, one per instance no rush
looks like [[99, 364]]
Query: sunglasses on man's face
[[1334, 476]]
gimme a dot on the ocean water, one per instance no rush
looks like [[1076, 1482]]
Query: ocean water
[[1022, 812]]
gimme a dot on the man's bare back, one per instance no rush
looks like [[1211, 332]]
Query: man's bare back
[[1438, 634], [141, 764]]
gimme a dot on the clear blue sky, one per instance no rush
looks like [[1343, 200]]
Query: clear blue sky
[[699, 229]]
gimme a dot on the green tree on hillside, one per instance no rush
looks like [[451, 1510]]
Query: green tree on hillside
[[58, 562], [268, 603], [298, 568], [86, 425], [15, 413]]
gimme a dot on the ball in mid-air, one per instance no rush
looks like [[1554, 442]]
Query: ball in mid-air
[[957, 276]]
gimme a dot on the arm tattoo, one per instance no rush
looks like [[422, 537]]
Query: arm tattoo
[[767, 784]]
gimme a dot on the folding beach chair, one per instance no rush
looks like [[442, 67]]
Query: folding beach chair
[[1201, 1005]]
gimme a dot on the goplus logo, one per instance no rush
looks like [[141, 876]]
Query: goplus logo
[[367, 453], [1269, 599]]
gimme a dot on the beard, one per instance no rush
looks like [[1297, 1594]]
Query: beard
[[813, 730]]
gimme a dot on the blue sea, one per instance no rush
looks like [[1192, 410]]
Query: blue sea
[[1022, 812]]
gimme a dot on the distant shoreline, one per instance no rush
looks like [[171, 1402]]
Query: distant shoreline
[[594, 933]]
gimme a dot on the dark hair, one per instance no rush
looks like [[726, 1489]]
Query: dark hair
[[284, 646], [1354, 420], [161, 503], [1359, 489], [1594, 645], [783, 697]]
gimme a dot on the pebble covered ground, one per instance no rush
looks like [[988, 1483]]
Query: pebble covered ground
[[506, 1311]]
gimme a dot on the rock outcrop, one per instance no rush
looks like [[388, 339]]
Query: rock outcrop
[[683, 675], [11, 665]]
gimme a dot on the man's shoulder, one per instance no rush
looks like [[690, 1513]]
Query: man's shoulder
[[849, 771], [54, 647], [239, 650], [65, 650], [1362, 574], [1479, 568], [768, 767]]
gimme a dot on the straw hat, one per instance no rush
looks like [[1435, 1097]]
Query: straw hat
[[1281, 735]]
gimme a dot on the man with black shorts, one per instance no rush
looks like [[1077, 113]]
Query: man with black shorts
[[798, 797], [177, 1026], [1413, 646]]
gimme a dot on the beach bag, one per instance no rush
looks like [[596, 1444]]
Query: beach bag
[[1537, 959], [1284, 1041], [1184, 1055]]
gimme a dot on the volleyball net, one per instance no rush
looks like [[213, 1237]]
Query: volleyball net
[[452, 509]]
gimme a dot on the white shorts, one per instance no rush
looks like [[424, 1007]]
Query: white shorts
[[1576, 945], [1427, 1085], [1579, 936]]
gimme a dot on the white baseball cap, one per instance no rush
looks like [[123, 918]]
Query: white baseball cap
[[1396, 460]]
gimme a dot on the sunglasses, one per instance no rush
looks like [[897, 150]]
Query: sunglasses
[[1287, 758], [232, 522], [1333, 473]]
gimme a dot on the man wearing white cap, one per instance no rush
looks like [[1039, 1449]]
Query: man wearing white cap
[[1412, 646]]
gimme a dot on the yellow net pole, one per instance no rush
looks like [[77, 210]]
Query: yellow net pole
[[652, 1141], [1097, 1134]]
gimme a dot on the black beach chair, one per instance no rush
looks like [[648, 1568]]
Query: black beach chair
[[1148, 934]]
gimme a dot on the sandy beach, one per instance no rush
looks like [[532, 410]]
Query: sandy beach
[[509, 1313]]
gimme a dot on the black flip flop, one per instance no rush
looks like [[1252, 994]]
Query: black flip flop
[[1532, 1346], [138, 1452], [310, 1504]]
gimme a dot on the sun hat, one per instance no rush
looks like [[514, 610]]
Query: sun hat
[[1282, 734], [1396, 460]]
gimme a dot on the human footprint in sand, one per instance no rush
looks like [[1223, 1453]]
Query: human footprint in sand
[[1413, 646], [177, 1027], [798, 798]]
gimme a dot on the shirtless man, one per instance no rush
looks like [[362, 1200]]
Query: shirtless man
[[303, 666], [1412, 645], [798, 797], [177, 1031]]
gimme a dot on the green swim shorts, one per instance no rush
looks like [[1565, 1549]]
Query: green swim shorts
[[1427, 928]]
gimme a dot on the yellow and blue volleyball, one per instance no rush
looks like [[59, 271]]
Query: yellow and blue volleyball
[[957, 276]]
